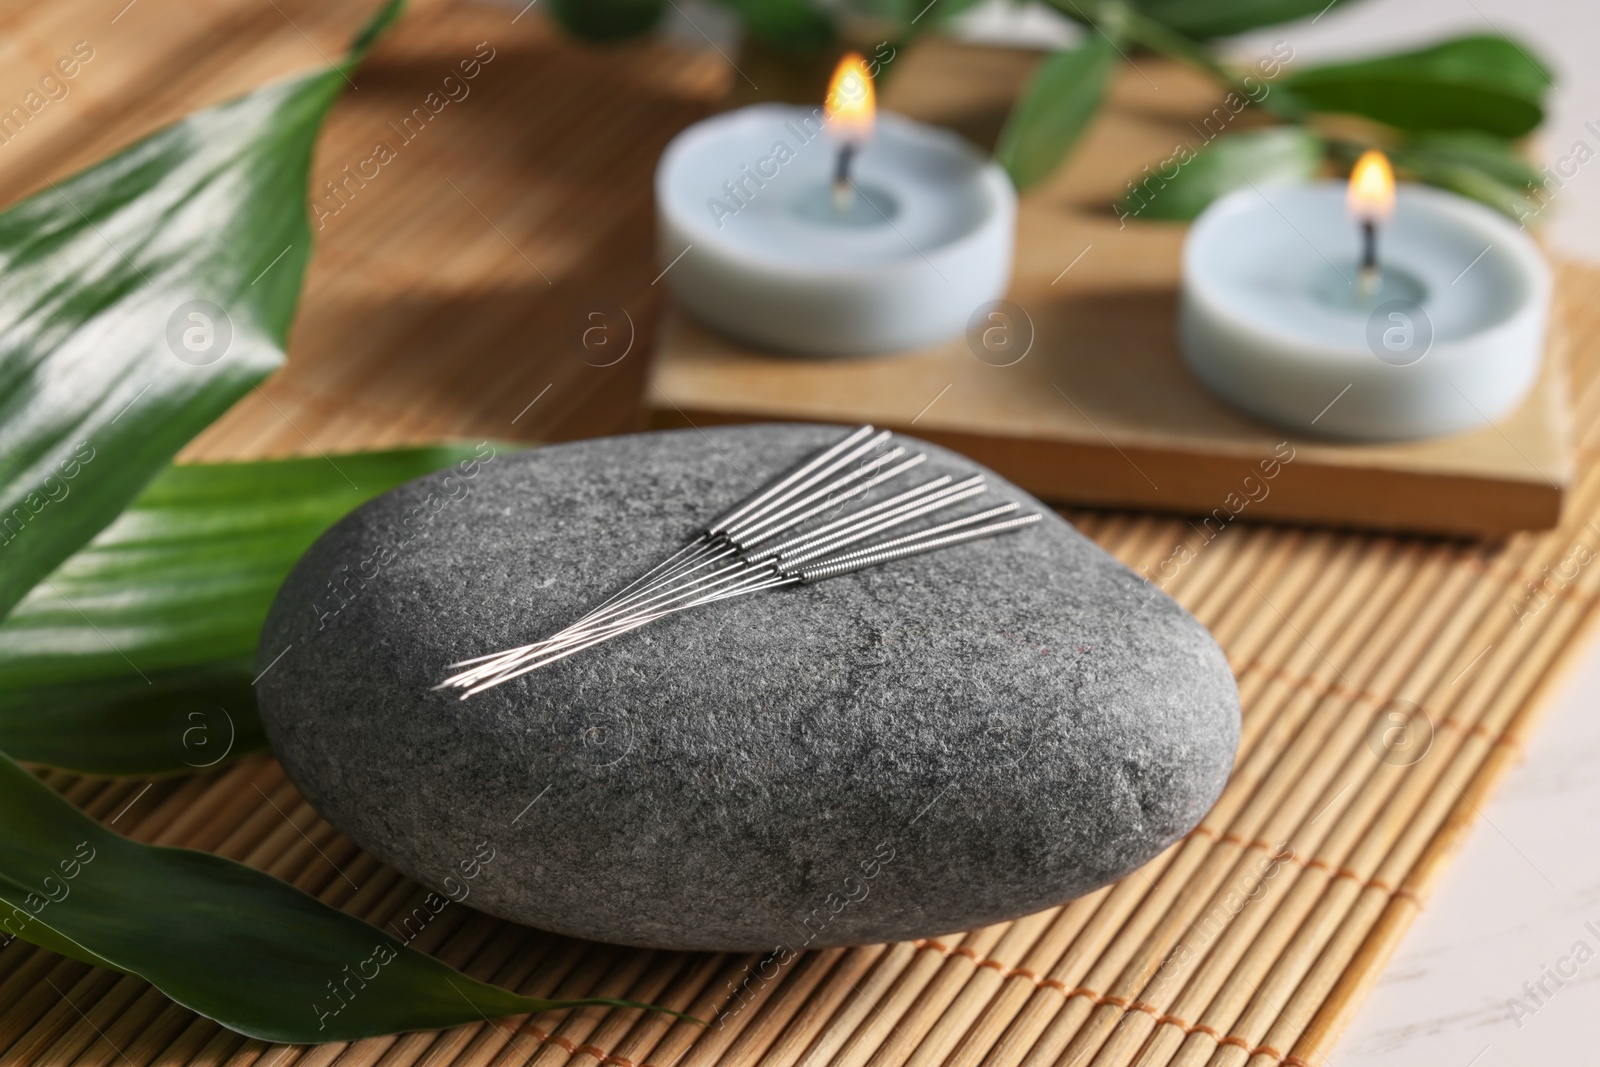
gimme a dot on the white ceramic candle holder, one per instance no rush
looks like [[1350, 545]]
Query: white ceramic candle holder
[[754, 244], [1273, 320]]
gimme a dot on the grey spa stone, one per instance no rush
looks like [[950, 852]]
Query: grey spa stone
[[924, 747]]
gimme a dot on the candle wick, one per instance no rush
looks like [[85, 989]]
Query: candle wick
[[844, 193], [1369, 258]]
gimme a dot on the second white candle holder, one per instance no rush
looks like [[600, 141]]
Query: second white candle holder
[[1273, 318]]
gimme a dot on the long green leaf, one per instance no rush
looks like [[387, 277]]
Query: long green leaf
[[1054, 110], [1148, 33], [163, 723], [607, 20], [1223, 18], [225, 940], [1486, 83], [1492, 155], [144, 296], [912, 12], [1180, 186], [1485, 168], [136, 655]]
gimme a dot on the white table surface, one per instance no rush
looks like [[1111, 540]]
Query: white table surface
[[1517, 899]]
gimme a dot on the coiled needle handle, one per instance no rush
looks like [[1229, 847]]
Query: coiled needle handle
[[871, 558]]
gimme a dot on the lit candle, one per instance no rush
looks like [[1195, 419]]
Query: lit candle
[[1371, 201], [852, 108], [1363, 312], [832, 231]]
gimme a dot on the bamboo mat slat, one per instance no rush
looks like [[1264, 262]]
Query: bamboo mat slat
[[444, 300]]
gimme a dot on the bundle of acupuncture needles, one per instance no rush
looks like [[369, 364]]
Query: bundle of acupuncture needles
[[772, 540]]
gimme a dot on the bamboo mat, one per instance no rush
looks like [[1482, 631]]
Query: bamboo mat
[[433, 310]]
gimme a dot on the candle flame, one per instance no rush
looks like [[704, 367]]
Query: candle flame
[[1371, 197], [851, 105]]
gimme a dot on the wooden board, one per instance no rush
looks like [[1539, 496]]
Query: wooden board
[[423, 319], [1101, 410]]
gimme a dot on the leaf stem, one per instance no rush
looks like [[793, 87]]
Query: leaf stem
[[1123, 23]]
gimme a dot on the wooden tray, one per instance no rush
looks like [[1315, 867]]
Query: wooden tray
[[1102, 411]]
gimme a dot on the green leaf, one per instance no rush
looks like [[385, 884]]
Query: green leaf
[[1495, 156], [136, 655], [143, 297], [1054, 110], [164, 723], [222, 939], [795, 26], [1488, 83], [1180, 186], [1223, 18], [607, 20], [1484, 168], [941, 12], [1257, 85], [380, 23], [909, 17]]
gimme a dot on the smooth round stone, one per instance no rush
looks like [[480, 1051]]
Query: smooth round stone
[[928, 746]]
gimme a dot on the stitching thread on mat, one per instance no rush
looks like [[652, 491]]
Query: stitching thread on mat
[[1376, 700], [1129, 1004], [1005, 971], [1339, 874], [572, 1049], [1124, 1003]]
